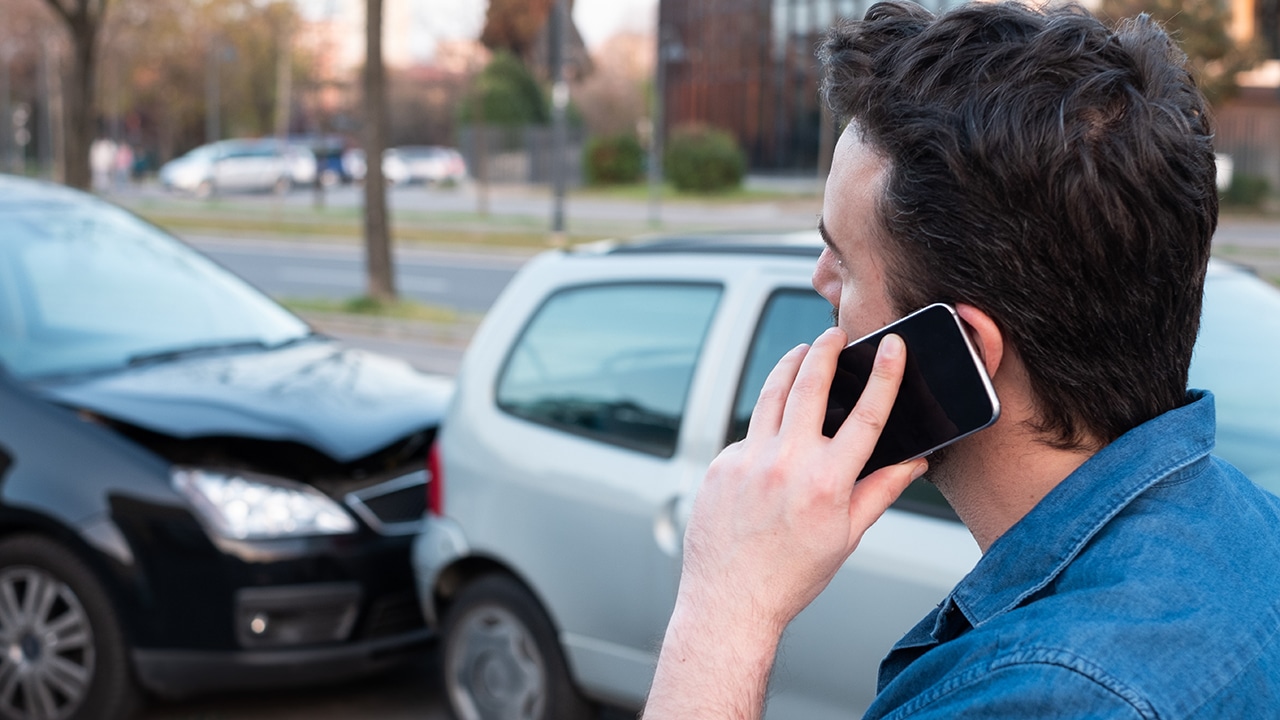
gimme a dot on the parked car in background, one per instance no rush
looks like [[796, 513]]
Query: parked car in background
[[304, 166], [589, 404], [393, 166], [240, 166], [432, 164], [197, 491]]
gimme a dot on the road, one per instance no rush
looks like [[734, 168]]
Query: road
[[466, 281], [411, 692]]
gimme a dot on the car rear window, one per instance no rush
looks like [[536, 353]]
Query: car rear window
[[611, 362], [1235, 358]]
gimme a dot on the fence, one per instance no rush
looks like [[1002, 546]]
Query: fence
[[522, 154], [1249, 131]]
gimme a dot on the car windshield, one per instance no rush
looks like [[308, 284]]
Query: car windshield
[[1236, 359], [85, 287], [204, 152]]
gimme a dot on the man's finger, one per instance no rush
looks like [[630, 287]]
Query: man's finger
[[858, 435], [807, 402], [874, 494], [766, 417]]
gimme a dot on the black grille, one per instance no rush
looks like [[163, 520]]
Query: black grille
[[403, 505], [394, 507], [394, 614]]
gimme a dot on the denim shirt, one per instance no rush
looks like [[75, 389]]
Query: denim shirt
[[1145, 585]]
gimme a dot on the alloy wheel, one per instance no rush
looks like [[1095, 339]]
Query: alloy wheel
[[46, 646], [494, 670]]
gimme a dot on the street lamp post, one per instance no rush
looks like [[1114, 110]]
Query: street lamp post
[[6, 111], [559, 131], [212, 96], [668, 50]]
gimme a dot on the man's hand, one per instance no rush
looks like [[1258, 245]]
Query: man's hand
[[777, 515]]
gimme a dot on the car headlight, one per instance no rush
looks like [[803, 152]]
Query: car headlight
[[246, 506]]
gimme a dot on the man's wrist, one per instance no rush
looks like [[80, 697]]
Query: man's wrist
[[714, 663]]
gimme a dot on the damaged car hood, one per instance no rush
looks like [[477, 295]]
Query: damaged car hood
[[341, 401]]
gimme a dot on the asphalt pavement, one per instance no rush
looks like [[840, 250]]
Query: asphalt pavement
[[409, 692]]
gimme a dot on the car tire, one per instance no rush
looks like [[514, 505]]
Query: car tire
[[62, 653], [204, 190], [501, 658], [282, 186]]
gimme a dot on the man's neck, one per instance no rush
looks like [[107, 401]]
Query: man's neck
[[992, 489], [994, 478]]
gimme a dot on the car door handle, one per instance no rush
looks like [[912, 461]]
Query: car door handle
[[667, 531]]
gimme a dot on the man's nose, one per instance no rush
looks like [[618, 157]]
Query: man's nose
[[824, 278]]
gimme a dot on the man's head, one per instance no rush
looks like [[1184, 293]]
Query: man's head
[[1052, 173]]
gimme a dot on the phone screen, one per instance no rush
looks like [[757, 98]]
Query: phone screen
[[945, 393]]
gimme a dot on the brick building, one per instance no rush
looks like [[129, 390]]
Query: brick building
[[748, 66]]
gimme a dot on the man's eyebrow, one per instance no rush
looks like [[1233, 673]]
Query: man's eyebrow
[[826, 237]]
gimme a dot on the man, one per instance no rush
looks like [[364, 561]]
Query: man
[[1054, 181]]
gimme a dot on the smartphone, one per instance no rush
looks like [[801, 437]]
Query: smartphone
[[945, 393]]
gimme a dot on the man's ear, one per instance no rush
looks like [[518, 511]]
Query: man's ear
[[986, 336]]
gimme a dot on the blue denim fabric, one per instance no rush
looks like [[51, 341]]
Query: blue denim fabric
[[1146, 585]]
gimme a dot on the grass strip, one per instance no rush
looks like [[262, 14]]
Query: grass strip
[[369, 307], [245, 226]]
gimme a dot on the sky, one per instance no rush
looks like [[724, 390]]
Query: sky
[[598, 20], [434, 20]]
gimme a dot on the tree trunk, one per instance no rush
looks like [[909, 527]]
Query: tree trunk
[[377, 238], [83, 21], [81, 104]]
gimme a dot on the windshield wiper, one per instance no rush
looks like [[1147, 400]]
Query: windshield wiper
[[216, 347], [190, 350]]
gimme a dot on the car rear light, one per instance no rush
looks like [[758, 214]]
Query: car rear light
[[435, 481]]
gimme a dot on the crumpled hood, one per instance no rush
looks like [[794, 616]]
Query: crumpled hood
[[344, 402]]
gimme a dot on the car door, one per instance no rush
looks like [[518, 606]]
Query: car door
[[571, 474], [234, 168]]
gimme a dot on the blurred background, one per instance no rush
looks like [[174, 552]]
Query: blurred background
[[161, 77]]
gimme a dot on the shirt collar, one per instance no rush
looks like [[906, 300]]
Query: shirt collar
[[1037, 548]]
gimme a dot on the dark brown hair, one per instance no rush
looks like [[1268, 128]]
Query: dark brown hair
[[1056, 174]]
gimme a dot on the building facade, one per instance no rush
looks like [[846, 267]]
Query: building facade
[[749, 66]]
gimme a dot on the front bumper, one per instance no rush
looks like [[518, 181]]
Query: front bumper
[[180, 673]]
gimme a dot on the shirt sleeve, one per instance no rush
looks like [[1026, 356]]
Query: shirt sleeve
[[1026, 690]]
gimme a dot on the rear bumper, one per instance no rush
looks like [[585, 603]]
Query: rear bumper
[[179, 673], [440, 544]]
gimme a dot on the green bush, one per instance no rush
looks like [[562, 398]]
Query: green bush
[[507, 94], [703, 159], [1246, 191], [613, 160]]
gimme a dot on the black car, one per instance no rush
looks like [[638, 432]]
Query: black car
[[197, 491]]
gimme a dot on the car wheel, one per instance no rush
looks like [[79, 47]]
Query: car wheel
[[282, 186], [204, 190], [62, 655], [501, 657]]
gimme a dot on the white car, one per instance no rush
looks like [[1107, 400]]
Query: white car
[[240, 166], [432, 164], [356, 166], [592, 399]]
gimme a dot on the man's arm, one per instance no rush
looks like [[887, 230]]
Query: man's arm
[[775, 518]]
